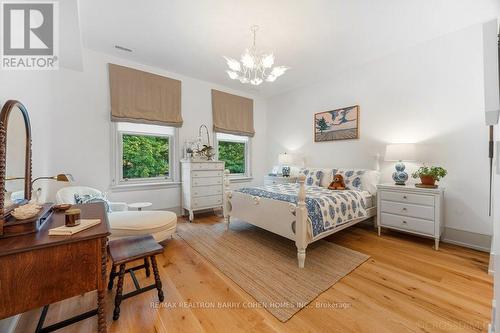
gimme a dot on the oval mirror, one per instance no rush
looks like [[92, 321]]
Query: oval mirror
[[15, 155]]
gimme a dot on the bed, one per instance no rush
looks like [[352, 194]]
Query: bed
[[305, 211]]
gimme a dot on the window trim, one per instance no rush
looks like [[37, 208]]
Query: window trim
[[117, 181], [247, 175]]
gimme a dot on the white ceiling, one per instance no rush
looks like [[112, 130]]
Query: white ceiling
[[316, 38]]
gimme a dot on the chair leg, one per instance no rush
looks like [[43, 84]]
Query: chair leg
[[119, 291], [157, 278], [146, 267], [112, 275]]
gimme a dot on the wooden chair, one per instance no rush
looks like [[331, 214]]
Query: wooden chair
[[125, 250]]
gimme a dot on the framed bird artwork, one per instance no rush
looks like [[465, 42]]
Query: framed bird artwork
[[340, 124]]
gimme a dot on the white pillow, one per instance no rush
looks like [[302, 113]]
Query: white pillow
[[369, 181]]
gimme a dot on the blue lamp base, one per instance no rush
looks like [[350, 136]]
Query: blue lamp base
[[400, 176]]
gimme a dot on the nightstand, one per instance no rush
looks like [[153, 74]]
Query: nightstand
[[273, 180], [411, 209]]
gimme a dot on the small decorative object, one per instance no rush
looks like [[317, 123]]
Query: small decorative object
[[338, 183], [61, 207], [27, 211], [72, 217], [285, 160], [340, 124], [400, 152], [429, 176]]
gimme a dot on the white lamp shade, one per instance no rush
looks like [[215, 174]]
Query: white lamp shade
[[400, 152], [285, 159]]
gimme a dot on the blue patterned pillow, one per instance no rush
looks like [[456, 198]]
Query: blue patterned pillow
[[313, 176], [87, 198], [352, 178]]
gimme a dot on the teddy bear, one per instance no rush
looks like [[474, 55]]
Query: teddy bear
[[338, 183]]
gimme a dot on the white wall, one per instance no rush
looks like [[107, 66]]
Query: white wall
[[70, 120], [430, 94]]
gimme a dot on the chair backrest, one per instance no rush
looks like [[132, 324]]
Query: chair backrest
[[67, 194]]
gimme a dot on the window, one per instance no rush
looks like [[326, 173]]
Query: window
[[143, 154], [235, 151]]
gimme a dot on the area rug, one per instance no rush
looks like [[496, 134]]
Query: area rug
[[265, 265]]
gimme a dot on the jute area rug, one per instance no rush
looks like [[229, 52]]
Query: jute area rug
[[265, 264]]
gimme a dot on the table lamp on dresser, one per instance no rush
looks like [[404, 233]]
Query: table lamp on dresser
[[400, 152], [285, 160]]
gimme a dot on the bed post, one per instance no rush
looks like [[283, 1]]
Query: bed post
[[226, 207], [301, 223]]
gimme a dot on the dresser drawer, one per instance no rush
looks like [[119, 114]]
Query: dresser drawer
[[205, 173], [207, 166], [203, 191], [207, 181], [407, 223], [211, 201], [422, 212], [417, 199]]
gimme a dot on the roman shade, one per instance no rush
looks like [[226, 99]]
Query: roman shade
[[232, 114], [142, 97]]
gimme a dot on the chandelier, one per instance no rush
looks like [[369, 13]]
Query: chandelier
[[254, 67]]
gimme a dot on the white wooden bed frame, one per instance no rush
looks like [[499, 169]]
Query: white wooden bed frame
[[283, 218]]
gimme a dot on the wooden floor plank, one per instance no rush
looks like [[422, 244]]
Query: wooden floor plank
[[405, 286]]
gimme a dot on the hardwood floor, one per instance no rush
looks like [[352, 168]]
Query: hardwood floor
[[405, 286]]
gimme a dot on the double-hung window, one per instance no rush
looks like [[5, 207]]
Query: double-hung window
[[234, 150], [144, 154]]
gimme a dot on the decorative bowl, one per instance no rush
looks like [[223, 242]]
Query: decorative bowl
[[27, 211]]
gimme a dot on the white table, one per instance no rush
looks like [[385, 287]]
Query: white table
[[140, 205]]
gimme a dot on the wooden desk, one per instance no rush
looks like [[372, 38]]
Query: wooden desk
[[38, 269]]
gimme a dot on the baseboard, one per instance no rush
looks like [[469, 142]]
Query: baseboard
[[467, 239], [8, 325]]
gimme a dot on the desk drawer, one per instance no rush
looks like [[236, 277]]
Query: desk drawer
[[407, 223], [417, 199], [418, 211], [203, 191], [211, 201], [207, 181], [207, 166], [204, 173]]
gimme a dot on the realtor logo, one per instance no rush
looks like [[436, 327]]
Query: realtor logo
[[30, 35]]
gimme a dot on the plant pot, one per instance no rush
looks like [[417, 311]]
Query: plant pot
[[427, 180]]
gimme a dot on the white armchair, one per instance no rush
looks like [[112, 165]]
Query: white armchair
[[123, 223], [67, 195]]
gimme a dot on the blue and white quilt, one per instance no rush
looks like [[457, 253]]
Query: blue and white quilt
[[326, 209]]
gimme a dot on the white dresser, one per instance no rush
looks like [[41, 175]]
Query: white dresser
[[411, 209], [202, 185]]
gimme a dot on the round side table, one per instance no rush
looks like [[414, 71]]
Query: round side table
[[140, 205]]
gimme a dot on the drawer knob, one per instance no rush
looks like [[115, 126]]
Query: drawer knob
[[405, 197], [404, 222], [404, 209]]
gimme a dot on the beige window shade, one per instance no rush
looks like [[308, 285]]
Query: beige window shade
[[142, 97], [232, 114]]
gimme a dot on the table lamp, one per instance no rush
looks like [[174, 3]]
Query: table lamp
[[285, 160], [400, 152]]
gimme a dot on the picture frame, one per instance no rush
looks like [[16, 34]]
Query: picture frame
[[338, 124]]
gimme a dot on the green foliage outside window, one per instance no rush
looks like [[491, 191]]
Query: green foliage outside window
[[233, 153], [145, 156]]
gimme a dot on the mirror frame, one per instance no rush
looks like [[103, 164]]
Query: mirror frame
[[4, 120]]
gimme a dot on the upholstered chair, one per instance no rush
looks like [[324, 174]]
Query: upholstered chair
[[160, 224]]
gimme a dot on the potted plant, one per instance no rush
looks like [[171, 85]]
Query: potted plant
[[429, 175]]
